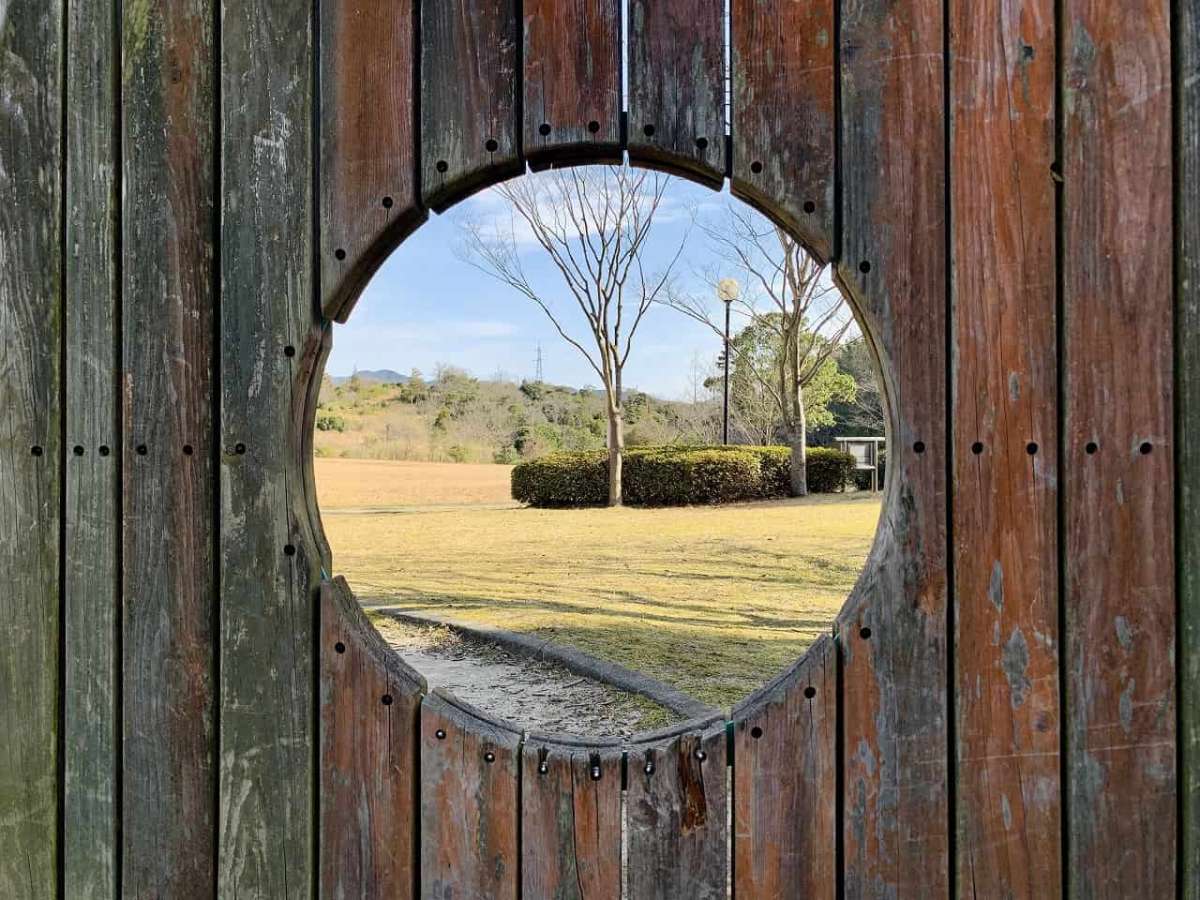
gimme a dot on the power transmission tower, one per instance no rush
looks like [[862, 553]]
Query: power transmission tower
[[539, 364]]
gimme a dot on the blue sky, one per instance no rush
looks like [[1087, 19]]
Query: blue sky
[[427, 306]]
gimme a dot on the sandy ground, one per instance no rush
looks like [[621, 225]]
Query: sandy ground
[[382, 484], [534, 695]]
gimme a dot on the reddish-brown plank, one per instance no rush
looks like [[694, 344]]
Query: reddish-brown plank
[[676, 812], [785, 783], [469, 81], [570, 819], [1119, 540], [470, 768], [168, 307], [572, 80], [783, 116], [370, 706], [677, 86], [368, 142], [893, 629], [1005, 442]]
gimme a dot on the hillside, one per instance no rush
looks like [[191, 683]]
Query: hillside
[[454, 417]]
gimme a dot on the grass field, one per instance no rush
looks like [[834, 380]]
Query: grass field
[[714, 600]]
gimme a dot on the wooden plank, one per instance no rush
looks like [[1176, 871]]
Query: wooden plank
[[1187, 319], [677, 86], [30, 442], [91, 578], [676, 810], [572, 82], [1119, 539], [469, 81], [893, 629], [269, 560], [785, 783], [370, 705], [784, 141], [369, 196], [570, 819], [168, 788], [470, 771], [1005, 442]]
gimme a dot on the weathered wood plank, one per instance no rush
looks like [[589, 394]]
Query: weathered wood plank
[[893, 629], [91, 580], [368, 142], [30, 442], [1119, 540], [785, 783], [676, 811], [470, 771], [677, 86], [784, 141], [469, 83], [1005, 441], [269, 560], [570, 819], [370, 705], [168, 791], [572, 81], [1187, 319]]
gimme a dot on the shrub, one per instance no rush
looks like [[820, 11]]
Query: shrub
[[828, 470], [563, 479], [656, 476], [330, 423]]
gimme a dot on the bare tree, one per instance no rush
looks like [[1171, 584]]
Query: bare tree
[[592, 223], [782, 292]]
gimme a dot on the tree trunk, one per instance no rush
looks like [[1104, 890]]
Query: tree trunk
[[798, 441], [616, 445]]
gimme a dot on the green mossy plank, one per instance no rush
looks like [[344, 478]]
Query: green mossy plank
[[30, 442], [269, 558], [91, 580]]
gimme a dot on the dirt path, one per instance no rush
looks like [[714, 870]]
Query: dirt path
[[532, 694]]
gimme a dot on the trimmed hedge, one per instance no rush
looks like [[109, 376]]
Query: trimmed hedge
[[828, 470], [670, 476]]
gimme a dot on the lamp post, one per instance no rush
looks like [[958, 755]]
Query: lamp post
[[727, 291]]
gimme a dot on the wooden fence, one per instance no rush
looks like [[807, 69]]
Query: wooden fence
[[192, 191]]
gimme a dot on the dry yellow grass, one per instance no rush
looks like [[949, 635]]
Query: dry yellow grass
[[715, 600], [375, 484]]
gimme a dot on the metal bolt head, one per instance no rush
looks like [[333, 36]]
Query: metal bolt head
[[596, 773], [489, 757], [543, 767], [440, 734], [701, 755], [649, 768]]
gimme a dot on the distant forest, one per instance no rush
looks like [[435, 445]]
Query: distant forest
[[451, 415]]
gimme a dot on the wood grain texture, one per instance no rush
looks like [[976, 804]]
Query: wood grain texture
[[572, 84], [1005, 502], [91, 579], [785, 783], [570, 819], [1187, 324], [784, 133], [470, 788], [470, 135], [1119, 540], [370, 707], [31, 54], [369, 196], [269, 561], [677, 86], [677, 814], [893, 628], [168, 586]]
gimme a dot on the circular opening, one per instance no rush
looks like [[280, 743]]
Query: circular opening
[[544, 129], [78, 451], [142, 450], [648, 130], [239, 448], [289, 351], [289, 550], [701, 143], [339, 254], [977, 448], [1031, 448], [756, 167], [1091, 447], [491, 145], [593, 126], [388, 202], [188, 450], [36, 451], [1146, 447], [104, 451], [756, 732], [339, 647], [864, 267], [810, 207], [442, 166], [918, 447], [386, 699], [461, 392]]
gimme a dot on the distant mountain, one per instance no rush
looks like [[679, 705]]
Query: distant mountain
[[382, 376]]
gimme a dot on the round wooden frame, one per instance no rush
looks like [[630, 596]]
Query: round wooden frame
[[190, 192]]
